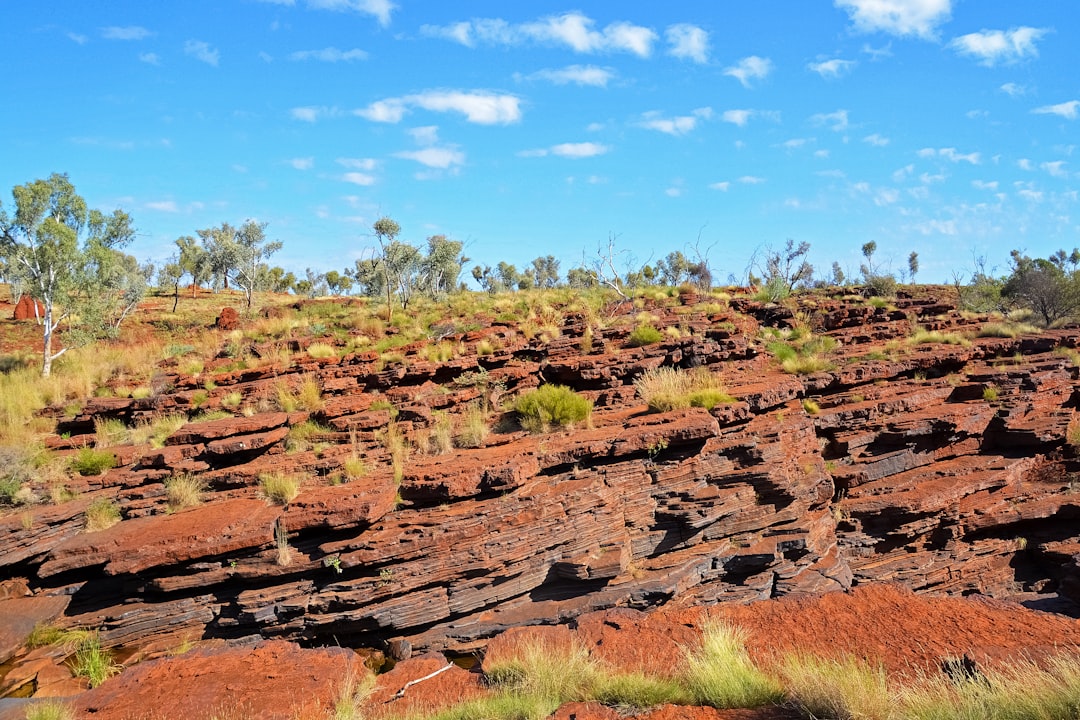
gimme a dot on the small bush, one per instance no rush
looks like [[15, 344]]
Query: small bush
[[321, 350], [721, 674], [102, 513], [636, 691], [184, 491], [552, 405], [50, 709], [990, 393], [924, 337], [354, 467], [232, 400], [811, 407], [89, 461], [838, 688], [1007, 329], [109, 432], [279, 487], [92, 662], [668, 388], [473, 431], [644, 334]]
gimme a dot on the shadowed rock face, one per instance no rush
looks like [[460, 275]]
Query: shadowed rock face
[[907, 471]]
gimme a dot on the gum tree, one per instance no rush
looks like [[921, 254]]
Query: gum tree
[[56, 245]]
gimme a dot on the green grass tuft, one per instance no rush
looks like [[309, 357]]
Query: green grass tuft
[[552, 406]]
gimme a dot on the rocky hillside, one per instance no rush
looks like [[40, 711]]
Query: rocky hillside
[[392, 501]]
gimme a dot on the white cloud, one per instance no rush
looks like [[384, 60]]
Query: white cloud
[[793, 143], [836, 121], [897, 17], [1024, 164], [737, 117], [535, 152], [688, 42], [202, 52], [380, 9], [312, 113], [149, 58], [751, 180], [876, 140], [367, 164], [426, 135], [877, 53], [1067, 110], [302, 163], [749, 69], [886, 196], [928, 179], [358, 178], [991, 47], [673, 192], [573, 30], [985, 185], [266, 57], [330, 54], [674, 126], [594, 127], [130, 32], [169, 206], [832, 68], [435, 157], [936, 227], [77, 38], [721, 186], [821, 154], [575, 74], [483, 108], [1013, 90], [903, 173], [951, 154], [1031, 195], [1056, 168], [579, 150]]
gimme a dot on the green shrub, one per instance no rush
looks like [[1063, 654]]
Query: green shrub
[[279, 487], [720, 673], [89, 461], [50, 709], [552, 405], [93, 662], [102, 513], [184, 491], [828, 688], [923, 336], [668, 388], [645, 334]]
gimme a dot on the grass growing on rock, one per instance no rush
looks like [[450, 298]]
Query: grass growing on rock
[[279, 487], [550, 406], [720, 673], [184, 491], [668, 388], [102, 514]]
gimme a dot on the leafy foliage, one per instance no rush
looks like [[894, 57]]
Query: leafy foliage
[[552, 405]]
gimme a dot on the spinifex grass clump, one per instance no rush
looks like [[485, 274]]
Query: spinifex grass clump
[[800, 352], [644, 334], [279, 487], [668, 388], [89, 461], [101, 514], [184, 491], [552, 406], [720, 673]]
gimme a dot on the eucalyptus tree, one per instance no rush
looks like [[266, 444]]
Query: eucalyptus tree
[[239, 254], [59, 247]]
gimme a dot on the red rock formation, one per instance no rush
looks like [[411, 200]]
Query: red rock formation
[[229, 319]]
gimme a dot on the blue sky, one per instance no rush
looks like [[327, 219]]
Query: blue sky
[[944, 127]]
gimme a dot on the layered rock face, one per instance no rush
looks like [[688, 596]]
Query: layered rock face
[[943, 467]]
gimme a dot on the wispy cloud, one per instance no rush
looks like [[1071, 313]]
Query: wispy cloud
[[573, 74], [129, 32], [897, 17], [677, 125], [722, 186], [1067, 110], [358, 178], [482, 108], [751, 180], [367, 164], [833, 68], [202, 52], [688, 42], [992, 47], [573, 30], [1013, 90], [150, 58], [168, 206], [380, 9], [330, 54], [749, 69], [104, 143], [434, 157], [1055, 169], [312, 113], [737, 117], [302, 163], [876, 140], [425, 135], [573, 151], [77, 38], [835, 121], [991, 185], [950, 154]]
